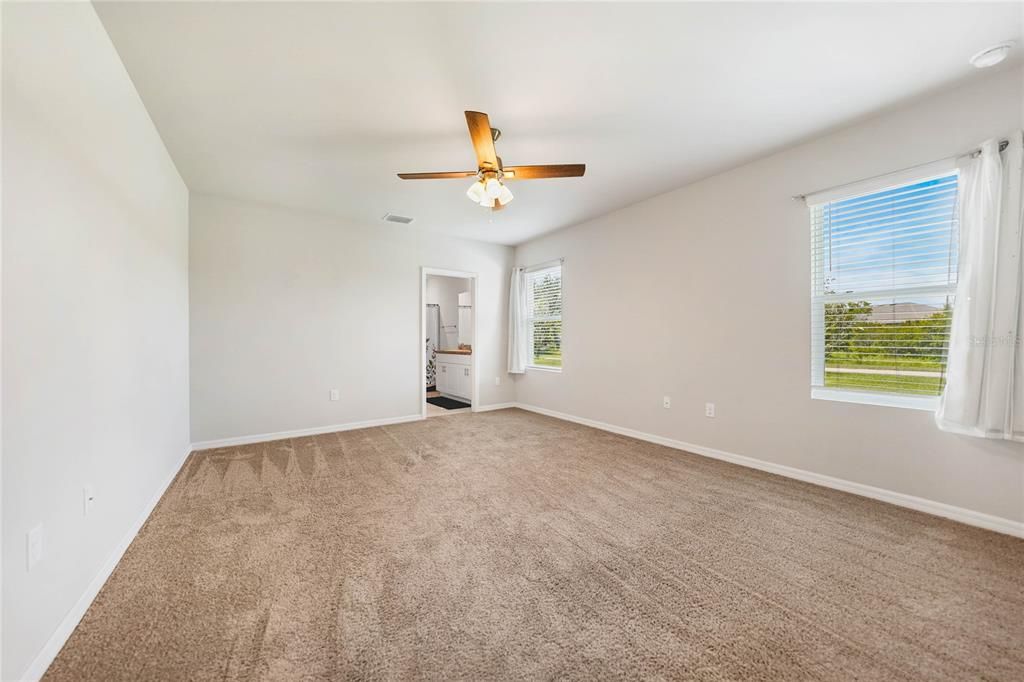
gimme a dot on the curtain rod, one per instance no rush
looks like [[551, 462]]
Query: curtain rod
[[538, 266], [1003, 144]]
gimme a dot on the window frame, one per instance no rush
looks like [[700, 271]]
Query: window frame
[[531, 319], [819, 298]]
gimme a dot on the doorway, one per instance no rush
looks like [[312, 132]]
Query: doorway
[[448, 342]]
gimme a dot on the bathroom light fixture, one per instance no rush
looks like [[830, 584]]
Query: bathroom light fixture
[[991, 56]]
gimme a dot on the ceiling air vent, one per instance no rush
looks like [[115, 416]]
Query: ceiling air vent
[[393, 218]]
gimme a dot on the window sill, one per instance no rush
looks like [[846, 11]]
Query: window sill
[[540, 368], [911, 402]]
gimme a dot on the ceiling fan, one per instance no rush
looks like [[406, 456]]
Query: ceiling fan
[[489, 190]]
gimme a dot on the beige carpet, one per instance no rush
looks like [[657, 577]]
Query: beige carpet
[[508, 545]]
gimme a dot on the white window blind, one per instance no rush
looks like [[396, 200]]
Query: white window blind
[[884, 267], [544, 310]]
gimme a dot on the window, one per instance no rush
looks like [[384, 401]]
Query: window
[[544, 315], [884, 269]]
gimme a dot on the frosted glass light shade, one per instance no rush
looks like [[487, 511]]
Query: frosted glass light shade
[[493, 188], [505, 196], [476, 192]]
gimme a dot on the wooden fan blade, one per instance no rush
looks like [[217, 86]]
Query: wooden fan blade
[[565, 170], [436, 176], [483, 142]]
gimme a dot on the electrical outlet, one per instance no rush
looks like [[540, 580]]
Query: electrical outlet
[[497, 381], [709, 409], [335, 394], [88, 499], [34, 546], [666, 402]]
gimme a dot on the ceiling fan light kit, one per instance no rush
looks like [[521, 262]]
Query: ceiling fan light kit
[[476, 192], [489, 190], [493, 187], [486, 193], [505, 195]]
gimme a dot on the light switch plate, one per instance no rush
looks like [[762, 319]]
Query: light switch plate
[[335, 394]]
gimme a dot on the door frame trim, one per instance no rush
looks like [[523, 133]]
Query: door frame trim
[[474, 278]]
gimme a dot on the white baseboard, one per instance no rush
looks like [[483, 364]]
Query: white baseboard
[[496, 406], [971, 518], [299, 433], [56, 642]]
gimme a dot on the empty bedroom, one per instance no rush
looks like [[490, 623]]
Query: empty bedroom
[[511, 340]]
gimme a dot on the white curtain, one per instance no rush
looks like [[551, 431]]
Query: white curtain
[[984, 393], [433, 329], [518, 334]]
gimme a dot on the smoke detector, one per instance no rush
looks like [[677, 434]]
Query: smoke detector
[[395, 218], [991, 56]]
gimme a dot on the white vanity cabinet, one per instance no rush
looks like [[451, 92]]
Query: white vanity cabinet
[[454, 374]]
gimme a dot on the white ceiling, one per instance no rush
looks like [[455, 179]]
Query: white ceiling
[[318, 105]]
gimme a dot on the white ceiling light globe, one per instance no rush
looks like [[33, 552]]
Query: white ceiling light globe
[[493, 188]]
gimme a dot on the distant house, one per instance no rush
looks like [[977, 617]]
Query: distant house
[[892, 313]]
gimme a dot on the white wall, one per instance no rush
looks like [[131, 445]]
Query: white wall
[[286, 305], [712, 283], [95, 319], [444, 291]]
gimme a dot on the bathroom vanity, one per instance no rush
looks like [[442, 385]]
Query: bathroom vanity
[[454, 373]]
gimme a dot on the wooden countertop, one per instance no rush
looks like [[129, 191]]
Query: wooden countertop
[[456, 351]]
